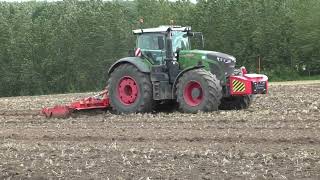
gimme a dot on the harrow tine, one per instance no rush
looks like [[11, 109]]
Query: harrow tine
[[99, 101], [57, 112]]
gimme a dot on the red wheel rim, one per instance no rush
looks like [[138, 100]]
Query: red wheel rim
[[193, 94], [127, 90]]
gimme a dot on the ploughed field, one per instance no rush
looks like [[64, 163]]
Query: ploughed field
[[277, 137]]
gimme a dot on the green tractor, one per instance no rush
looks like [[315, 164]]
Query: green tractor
[[164, 68]]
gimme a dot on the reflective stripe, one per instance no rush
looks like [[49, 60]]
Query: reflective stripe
[[137, 52], [238, 86]]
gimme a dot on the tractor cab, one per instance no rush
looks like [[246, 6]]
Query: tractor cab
[[153, 41]]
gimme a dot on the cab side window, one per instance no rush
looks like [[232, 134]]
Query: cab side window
[[180, 41]]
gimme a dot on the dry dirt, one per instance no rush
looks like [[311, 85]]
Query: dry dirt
[[278, 137]]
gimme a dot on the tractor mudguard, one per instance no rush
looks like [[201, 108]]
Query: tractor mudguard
[[179, 75], [136, 61]]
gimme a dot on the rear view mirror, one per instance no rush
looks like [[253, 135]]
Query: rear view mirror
[[131, 53], [160, 42], [189, 34], [198, 40]]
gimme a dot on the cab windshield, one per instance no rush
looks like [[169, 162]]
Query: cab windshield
[[153, 45], [156, 41]]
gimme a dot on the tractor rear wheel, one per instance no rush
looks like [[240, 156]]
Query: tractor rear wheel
[[236, 102], [130, 91], [198, 90]]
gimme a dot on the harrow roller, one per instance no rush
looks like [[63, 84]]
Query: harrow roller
[[100, 101]]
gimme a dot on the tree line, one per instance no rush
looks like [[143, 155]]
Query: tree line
[[67, 46]]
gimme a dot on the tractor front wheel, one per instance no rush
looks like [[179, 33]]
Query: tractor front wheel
[[130, 91], [198, 90]]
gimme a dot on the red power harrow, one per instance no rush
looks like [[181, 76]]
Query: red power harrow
[[99, 101]]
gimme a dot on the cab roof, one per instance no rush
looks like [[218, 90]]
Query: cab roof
[[162, 29]]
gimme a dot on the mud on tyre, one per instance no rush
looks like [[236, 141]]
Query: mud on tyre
[[130, 90], [198, 90]]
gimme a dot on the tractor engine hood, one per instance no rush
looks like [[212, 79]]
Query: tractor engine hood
[[226, 62], [221, 57], [213, 55]]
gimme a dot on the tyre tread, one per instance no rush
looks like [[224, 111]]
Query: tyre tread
[[214, 91], [147, 101]]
